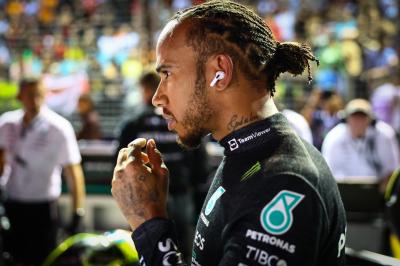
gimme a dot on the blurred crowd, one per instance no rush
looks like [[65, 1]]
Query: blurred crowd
[[77, 45]]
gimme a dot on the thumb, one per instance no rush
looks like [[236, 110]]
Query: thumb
[[155, 159]]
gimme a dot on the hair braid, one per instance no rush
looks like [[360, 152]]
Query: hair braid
[[229, 27]]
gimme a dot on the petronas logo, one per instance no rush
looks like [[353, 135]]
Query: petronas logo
[[211, 202], [277, 216]]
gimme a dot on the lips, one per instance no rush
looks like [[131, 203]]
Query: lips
[[170, 118]]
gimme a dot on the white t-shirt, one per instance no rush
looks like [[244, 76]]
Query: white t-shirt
[[351, 158], [35, 155], [299, 124]]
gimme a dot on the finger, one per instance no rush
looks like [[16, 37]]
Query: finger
[[155, 159], [122, 155], [135, 149], [145, 158], [136, 142], [132, 159]]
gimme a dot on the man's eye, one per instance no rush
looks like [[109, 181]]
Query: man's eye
[[166, 74]]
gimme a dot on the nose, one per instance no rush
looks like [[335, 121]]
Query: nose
[[159, 97]]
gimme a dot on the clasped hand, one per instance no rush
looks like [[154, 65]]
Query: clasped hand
[[140, 182]]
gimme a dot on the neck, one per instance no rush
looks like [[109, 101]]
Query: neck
[[357, 136], [29, 116], [236, 116]]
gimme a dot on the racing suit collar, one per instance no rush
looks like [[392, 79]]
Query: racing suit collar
[[253, 136]]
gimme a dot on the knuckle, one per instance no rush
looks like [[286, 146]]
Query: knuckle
[[118, 170], [122, 151]]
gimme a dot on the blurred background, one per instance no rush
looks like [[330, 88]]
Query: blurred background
[[91, 55]]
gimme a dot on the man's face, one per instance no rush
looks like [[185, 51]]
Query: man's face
[[358, 124], [31, 97], [182, 91], [83, 106]]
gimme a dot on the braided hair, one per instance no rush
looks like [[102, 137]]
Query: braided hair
[[228, 27]]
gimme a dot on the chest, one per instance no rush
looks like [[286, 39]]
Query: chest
[[219, 208], [207, 241], [30, 140]]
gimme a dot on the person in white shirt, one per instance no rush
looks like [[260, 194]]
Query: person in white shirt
[[299, 124], [35, 145], [361, 148]]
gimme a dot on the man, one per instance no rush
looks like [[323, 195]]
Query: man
[[36, 143], [299, 124], [187, 168], [321, 112], [361, 148], [273, 200], [90, 119]]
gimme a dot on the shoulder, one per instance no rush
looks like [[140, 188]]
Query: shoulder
[[263, 188], [291, 115], [296, 120], [11, 117], [338, 133], [340, 129], [385, 129], [57, 122], [299, 158]]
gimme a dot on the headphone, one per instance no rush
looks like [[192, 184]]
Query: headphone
[[218, 76]]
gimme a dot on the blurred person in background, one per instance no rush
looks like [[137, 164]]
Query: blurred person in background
[[91, 128], [297, 121], [385, 100], [187, 168], [321, 112], [299, 124], [36, 144], [381, 57], [352, 56], [361, 148]]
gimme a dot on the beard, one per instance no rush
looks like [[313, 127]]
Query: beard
[[196, 116]]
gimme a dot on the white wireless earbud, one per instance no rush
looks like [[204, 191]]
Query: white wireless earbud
[[218, 76]]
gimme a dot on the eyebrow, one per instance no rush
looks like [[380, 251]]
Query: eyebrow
[[162, 67]]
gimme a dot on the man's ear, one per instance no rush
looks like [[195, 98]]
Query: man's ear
[[217, 65]]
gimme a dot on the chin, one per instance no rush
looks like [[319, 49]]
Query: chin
[[190, 142]]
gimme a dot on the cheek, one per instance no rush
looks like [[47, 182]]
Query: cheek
[[179, 106], [359, 126], [38, 100], [179, 98]]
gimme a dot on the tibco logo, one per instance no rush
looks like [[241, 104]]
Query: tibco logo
[[263, 258]]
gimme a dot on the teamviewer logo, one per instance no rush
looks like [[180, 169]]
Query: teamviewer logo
[[233, 145]]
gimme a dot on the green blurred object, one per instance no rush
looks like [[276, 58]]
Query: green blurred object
[[8, 93], [27, 54], [112, 248], [331, 56], [8, 89], [92, 189]]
